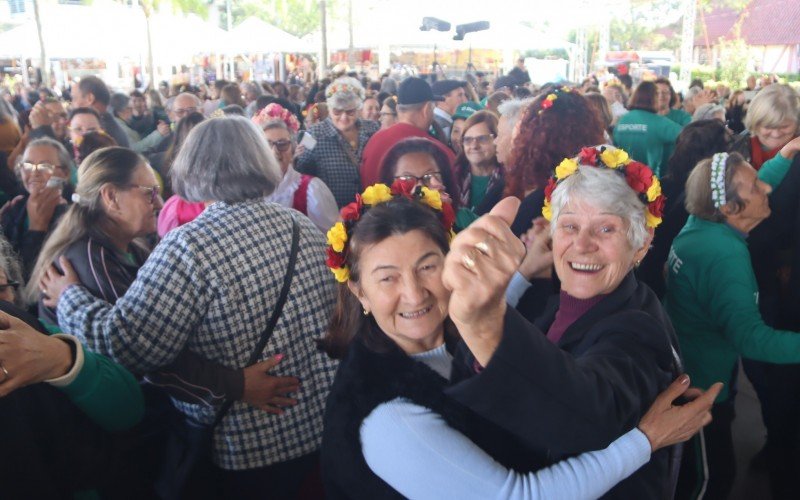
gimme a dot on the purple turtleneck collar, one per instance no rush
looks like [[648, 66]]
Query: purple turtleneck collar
[[569, 310]]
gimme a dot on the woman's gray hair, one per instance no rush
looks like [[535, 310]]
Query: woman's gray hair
[[708, 112], [605, 189], [280, 124], [345, 93], [699, 201], [225, 159], [9, 263], [511, 110], [64, 158]]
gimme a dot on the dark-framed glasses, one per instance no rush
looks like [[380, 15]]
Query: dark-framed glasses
[[281, 145], [153, 191], [349, 112], [483, 140], [10, 284], [425, 180], [45, 168]]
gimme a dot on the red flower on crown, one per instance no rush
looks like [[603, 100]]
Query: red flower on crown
[[588, 156], [639, 176], [352, 211], [404, 187], [656, 207]]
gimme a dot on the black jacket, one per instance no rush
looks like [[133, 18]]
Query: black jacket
[[591, 388], [364, 380], [25, 242]]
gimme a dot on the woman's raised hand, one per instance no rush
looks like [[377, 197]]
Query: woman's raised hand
[[538, 262], [481, 262], [666, 424]]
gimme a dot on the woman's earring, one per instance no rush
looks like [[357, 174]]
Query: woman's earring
[[366, 313]]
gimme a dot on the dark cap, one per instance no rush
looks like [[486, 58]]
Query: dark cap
[[444, 87], [505, 81], [415, 90]]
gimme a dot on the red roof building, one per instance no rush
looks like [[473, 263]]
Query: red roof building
[[770, 27]]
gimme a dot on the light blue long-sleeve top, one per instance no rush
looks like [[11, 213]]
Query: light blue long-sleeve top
[[418, 454]]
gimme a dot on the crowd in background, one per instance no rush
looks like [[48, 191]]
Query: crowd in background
[[147, 233]]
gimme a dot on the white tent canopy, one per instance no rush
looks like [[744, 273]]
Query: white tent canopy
[[255, 36]]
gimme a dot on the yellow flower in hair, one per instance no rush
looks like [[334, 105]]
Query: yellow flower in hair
[[375, 194], [615, 158], [566, 168], [432, 198], [547, 211], [342, 274], [551, 97], [651, 220], [654, 191], [337, 237]]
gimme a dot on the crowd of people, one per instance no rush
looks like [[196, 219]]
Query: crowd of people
[[346, 288]]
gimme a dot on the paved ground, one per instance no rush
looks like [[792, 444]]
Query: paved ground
[[748, 438]]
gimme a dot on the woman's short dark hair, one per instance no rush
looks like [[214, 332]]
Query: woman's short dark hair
[[672, 97], [396, 217], [388, 168], [698, 140], [83, 111], [644, 97]]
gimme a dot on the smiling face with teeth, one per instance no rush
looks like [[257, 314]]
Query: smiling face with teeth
[[400, 284], [591, 250]]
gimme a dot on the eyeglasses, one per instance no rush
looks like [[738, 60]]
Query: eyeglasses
[[386, 113], [478, 139], [84, 131], [426, 180], [339, 112], [282, 145], [181, 112], [45, 168], [10, 284], [154, 191]]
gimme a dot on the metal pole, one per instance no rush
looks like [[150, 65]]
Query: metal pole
[[230, 27], [324, 28], [687, 41]]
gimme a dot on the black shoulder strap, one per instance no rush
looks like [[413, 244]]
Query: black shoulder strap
[[273, 320]]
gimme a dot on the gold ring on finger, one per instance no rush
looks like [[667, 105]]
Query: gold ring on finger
[[6, 376], [468, 262]]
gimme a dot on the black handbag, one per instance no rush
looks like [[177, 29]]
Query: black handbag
[[187, 456]]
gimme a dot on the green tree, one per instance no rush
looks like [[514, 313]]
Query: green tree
[[298, 17]]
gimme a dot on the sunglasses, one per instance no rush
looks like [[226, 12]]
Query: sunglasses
[[478, 139], [45, 168], [282, 145], [10, 284], [426, 180], [349, 112], [154, 191]]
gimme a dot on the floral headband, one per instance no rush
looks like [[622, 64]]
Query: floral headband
[[638, 176], [313, 110], [548, 101], [718, 163], [274, 111], [343, 87], [339, 234]]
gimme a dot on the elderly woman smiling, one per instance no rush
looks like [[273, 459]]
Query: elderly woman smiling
[[388, 426], [341, 138], [595, 358]]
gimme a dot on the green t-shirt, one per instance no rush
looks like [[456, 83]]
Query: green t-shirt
[[477, 189], [682, 118], [644, 135]]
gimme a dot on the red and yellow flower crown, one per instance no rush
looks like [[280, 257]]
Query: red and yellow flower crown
[[339, 234], [638, 176]]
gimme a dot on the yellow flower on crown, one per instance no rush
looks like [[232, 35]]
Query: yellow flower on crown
[[614, 158], [566, 168], [342, 274], [654, 191], [376, 194], [337, 237], [432, 198], [651, 220], [547, 211], [551, 97]]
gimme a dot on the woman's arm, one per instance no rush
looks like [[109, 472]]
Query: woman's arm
[[773, 171], [322, 208]]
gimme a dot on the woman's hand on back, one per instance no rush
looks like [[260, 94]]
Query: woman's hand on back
[[266, 391], [478, 268], [53, 283], [666, 424]]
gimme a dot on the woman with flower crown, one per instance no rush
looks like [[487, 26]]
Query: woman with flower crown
[[597, 354], [390, 428], [340, 141]]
